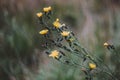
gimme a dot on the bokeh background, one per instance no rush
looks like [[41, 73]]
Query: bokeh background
[[21, 53]]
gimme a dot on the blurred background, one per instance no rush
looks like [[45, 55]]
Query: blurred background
[[21, 53]]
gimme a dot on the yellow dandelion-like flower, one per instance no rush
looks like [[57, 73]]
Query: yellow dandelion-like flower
[[65, 33], [56, 23], [92, 65], [47, 9], [106, 44], [43, 32], [54, 54], [39, 14]]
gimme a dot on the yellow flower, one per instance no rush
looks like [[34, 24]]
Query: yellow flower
[[43, 32], [39, 14], [54, 54], [92, 65], [106, 44], [47, 9], [65, 33], [56, 23]]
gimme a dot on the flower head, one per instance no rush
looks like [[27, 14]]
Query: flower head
[[109, 46], [65, 33], [39, 14], [43, 32], [54, 54], [92, 65], [56, 23], [47, 9], [106, 44]]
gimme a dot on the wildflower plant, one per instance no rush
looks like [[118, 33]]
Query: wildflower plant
[[62, 45]]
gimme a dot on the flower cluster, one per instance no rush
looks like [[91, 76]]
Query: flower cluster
[[62, 43]]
